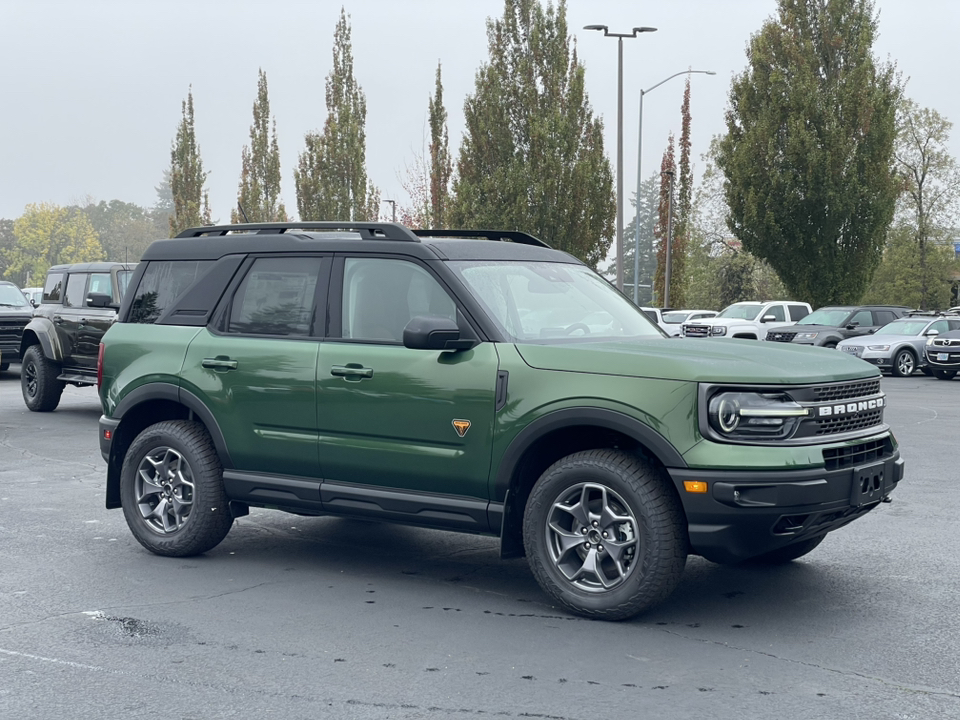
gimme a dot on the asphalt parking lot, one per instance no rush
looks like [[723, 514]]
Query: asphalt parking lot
[[297, 617]]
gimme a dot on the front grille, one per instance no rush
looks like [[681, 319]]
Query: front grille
[[11, 330], [854, 455], [696, 331], [781, 336], [842, 424], [846, 391]]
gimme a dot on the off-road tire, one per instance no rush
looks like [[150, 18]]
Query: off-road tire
[[904, 364], [944, 374], [207, 521], [787, 553], [38, 381], [649, 501]]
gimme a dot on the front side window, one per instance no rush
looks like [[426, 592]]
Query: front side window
[[53, 288], [864, 318], [277, 297], [776, 311], [543, 302], [381, 296], [74, 296], [831, 317], [162, 283], [941, 326], [100, 283]]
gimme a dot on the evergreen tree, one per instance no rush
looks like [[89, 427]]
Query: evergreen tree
[[162, 210], [48, 234], [809, 145], [668, 171], [441, 167], [683, 209], [332, 177], [191, 205], [649, 211], [532, 156], [259, 193]]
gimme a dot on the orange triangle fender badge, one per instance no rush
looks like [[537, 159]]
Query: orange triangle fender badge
[[461, 426]]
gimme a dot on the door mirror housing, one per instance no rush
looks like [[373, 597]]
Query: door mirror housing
[[430, 332], [932, 333], [768, 318], [101, 300]]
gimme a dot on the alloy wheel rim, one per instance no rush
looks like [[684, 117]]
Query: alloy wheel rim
[[592, 537], [164, 490], [30, 371], [906, 364]]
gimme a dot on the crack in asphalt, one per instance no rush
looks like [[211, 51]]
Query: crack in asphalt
[[845, 673], [28, 454]]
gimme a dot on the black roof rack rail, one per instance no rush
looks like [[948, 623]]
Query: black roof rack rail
[[509, 235], [366, 230]]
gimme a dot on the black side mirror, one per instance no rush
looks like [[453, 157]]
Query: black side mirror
[[101, 300], [33, 302], [853, 326], [429, 332]]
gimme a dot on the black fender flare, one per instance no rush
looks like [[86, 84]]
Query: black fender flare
[[656, 443], [46, 333], [174, 393]]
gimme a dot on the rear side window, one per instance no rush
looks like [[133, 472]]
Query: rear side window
[[884, 316], [277, 297], [53, 288], [798, 312], [162, 283]]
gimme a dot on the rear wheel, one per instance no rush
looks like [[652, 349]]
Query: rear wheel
[[605, 534], [171, 490], [788, 553], [904, 363], [38, 381], [943, 374]]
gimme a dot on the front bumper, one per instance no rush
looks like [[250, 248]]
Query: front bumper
[[747, 513]]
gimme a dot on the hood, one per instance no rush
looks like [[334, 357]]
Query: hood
[[815, 328], [714, 360], [865, 340], [25, 311]]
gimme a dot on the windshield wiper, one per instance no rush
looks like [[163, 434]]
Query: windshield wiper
[[10, 305]]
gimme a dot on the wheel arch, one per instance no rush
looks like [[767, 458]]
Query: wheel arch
[[146, 406], [37, 332], [556, 435]]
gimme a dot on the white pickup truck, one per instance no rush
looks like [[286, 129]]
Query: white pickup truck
[[748, 320]]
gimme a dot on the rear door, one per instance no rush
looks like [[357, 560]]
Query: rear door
[[68, 319], [255, 366]]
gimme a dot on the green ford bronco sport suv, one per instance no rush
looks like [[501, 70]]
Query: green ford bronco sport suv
[[472, 381]]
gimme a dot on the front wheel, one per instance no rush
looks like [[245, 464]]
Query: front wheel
[[38, 381], [944, 374], [605, 534], [171, 490], [904, 363]]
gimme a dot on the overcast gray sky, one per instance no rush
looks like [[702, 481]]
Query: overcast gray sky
[[91, 89]]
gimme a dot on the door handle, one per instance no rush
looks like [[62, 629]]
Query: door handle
[[351, 371], [219, 363]]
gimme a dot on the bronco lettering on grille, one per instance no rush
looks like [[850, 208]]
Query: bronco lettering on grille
[[849, 408]]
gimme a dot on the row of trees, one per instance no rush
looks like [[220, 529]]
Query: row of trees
[[828, 186]]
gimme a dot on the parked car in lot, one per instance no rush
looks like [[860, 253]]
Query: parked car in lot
[[656, 316], [33, 295], [443, 378], [827, 326], [672, 321], [898, 347], [747, 320], [942, 353], [61, 341], [15, 313]]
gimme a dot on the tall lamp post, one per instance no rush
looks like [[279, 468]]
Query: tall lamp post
[[393, 206], [636, 222], [620, 37]]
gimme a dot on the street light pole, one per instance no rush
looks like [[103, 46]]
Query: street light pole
[[636, 222], [393, 205], [620, 37]]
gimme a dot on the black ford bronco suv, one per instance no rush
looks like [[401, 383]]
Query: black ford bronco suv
[[61, 342], [475, 381]]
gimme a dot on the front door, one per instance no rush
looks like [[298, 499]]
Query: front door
[[391, 417]]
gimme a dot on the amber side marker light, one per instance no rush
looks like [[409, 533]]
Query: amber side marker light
[[694, 486]]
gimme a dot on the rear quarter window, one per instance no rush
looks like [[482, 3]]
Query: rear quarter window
[[162, 283]]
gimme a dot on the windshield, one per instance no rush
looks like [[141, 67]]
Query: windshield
[[833, 317], [903, 327], [675, 318], [10, 296], [741, 312], [543, 302]]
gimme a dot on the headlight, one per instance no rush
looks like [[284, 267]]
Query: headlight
[[806, 336], [718, 330], [878, 348], [930, 340], [745, 415]]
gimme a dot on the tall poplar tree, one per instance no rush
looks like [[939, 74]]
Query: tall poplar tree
[[808, 154], [668, 172], [532, 156], [441, 166], [331, 177], [259, 193], [191, 204]]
